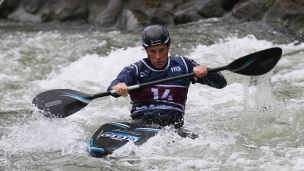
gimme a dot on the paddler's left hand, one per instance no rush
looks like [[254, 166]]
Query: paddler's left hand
[[121, 89], [200, 71]]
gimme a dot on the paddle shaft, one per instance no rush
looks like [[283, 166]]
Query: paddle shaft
[[144, 85]]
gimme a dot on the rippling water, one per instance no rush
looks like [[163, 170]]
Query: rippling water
[[255, 123]]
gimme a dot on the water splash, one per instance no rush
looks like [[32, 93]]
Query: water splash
[[264, 115]]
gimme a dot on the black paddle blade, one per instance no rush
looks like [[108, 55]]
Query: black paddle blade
[[257, 63], [61, 103]]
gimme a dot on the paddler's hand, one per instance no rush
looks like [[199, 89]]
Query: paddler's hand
[[200, 71], [121, 89]]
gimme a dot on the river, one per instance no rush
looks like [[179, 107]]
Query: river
[[255, 123]]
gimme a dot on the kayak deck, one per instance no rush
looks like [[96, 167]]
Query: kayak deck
[[113, 135]]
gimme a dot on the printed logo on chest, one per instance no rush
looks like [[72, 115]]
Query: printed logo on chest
[[143, 74], [176, 69]]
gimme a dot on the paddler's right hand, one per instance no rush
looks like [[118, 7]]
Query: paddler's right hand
[[121, 89]]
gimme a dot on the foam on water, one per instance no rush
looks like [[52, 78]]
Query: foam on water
[[41, 135], [94, 69]]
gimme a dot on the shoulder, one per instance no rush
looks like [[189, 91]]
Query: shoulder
[[176, 58], [183, 58], [139, 64], [132, 68], [136, 65], [186, 60]]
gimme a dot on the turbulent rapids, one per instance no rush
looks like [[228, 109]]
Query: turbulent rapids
[[255, 123]]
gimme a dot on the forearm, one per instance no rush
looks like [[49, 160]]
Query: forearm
[[215, 79], [126, 76]]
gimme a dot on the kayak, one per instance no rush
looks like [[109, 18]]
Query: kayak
[[113, 135]]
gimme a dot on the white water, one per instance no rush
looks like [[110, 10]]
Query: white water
[[255, 123]]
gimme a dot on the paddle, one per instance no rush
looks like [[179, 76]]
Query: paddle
[[62, 103]]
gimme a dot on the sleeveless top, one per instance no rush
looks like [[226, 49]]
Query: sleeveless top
[[166, 96]]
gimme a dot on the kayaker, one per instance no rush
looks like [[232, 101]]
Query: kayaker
[[161, 104]]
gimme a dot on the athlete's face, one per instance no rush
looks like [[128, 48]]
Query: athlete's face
[[158, 55]]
